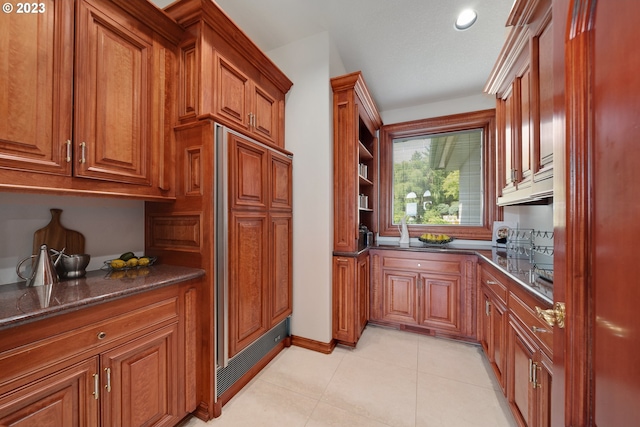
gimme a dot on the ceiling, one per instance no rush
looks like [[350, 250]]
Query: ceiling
[[408, 50]]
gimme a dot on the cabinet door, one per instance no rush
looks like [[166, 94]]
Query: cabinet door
[[542, 390], [232, 93], [492, 328], [363, 292], [400, 297], [66, 398], [519, 376], [140, 381], [344, 299], [281, 264], [281, 191], [248, 173], [265, 113], [524, 130], [440, 302], [113, 96], [498, 340], [248, 278], [36, 90]]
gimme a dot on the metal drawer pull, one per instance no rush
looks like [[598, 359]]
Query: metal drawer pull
[[536, 330], [491, 282], [102, 335]]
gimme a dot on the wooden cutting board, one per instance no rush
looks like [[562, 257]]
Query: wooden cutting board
[[55, 236]]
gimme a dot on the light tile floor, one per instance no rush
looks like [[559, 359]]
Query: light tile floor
[[392, 378]]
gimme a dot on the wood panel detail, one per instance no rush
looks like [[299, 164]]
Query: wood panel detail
[[193, 169], [191, 349], [189, 95], [281, 177], [176, 232], [281, 236], [248, 283]]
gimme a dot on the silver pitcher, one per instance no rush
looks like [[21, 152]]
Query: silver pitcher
[[43, 271]]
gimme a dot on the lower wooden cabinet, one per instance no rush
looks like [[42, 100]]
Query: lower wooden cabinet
[[529, 380], [518, 345], [123, 363], [61, 399], [429, 292], [492, 323], [350, 297]]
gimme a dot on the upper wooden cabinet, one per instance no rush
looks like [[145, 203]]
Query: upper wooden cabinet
[[224, 76], [240, 99], [100, 110], [356, 122], [522, 81]]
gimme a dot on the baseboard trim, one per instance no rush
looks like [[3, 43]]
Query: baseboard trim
[[309, 344]]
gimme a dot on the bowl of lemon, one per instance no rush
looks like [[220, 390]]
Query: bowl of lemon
[[435, 239]]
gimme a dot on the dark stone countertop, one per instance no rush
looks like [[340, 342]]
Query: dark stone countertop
[[518, 270], [21, 304]]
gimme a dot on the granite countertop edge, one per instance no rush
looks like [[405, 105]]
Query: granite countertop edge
[[20, 304]]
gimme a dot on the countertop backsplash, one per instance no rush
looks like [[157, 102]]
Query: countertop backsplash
[[110, 226]]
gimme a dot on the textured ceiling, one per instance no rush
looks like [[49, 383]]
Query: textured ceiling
[[408, 50]]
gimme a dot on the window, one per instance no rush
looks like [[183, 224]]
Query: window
[[439, 174]]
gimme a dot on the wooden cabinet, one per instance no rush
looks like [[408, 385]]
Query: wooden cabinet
[[114, 87], [281, 267], [225, 76], [113, 94], [355, 149], [140, 380], [248, 281], [260, 240], [355, 143], [55, 399], [492, 320], [350, 297], [529, 354], [518, 345], [123, 362], [429, 292], [522, 81], [242, 100], [36, 91]]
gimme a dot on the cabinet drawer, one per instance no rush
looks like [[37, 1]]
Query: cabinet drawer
[[441, 266], [539, 330], [88, 337], [497, 287]]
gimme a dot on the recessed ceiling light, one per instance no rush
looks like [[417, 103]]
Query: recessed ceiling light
[[466, 19]]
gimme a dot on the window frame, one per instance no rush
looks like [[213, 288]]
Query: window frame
[[485, 120]]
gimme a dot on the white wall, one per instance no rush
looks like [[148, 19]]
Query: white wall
[[308, 135], [110, 226], [441, 108]]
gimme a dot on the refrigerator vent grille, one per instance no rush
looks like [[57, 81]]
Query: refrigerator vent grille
[[244, 361]]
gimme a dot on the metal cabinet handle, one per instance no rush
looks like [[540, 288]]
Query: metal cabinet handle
[[83, 146], [491, 282], [96, 386], [537, 330], [102, 335], [68, 144], [487, 307], [108, 385]]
